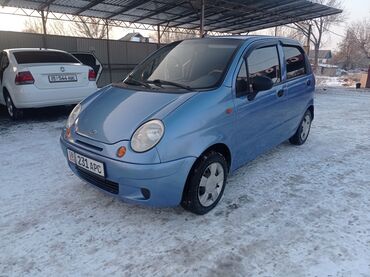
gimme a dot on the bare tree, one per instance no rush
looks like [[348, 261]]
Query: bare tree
[[286, 31], [354, 49], [92, 29], [33, 25], [361, 33], [315, 29], [168, 37]]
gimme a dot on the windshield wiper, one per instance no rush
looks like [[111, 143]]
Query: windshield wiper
[[132, 81], [159, 83]]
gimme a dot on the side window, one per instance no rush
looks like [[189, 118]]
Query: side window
[[265, 62], [242, 72], [295, 61], [241, 80]]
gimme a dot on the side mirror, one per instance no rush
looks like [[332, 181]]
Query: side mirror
[[261, 83]]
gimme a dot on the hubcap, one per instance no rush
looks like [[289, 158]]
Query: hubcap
[[211, 184], [306, 125], [9, 105]]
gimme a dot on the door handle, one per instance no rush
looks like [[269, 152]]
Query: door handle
[[280, 93], [308, 82]]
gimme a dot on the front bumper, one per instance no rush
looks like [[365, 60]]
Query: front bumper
[[164, 181]]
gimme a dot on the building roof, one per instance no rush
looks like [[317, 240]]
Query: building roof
[[129, 36], [323, 54], [226, 16]]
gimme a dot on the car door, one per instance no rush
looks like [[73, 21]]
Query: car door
[[299, 82], [258, 115]]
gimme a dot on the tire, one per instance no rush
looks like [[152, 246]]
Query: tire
[[13, 112], [303, 131], [200, 196]]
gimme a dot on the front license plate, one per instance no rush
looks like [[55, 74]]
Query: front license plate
[[57, 78], [86, 163]]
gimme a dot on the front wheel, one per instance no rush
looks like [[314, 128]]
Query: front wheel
[[206, 183], [13, 112], [303, 131]]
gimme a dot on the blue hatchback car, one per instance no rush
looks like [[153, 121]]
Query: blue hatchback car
[[188, 115]]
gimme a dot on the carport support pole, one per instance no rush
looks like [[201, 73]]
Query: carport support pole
[[43, 18], [202, 18], [159, 35], [108, 52]]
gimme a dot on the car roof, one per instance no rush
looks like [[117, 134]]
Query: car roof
[[284, 40], [14, 50]]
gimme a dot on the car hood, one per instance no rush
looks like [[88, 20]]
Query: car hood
[[116, 112]]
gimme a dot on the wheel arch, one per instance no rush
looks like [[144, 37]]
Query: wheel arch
[[3, 93], [221, 148], [312, 110]]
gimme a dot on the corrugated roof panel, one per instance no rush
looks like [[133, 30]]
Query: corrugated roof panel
[[24, 4], [71, 3], [93, 13], [66, 9], [105, 7], [220, 15]]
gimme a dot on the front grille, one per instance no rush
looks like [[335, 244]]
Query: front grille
[[89, 145], [102, 183]]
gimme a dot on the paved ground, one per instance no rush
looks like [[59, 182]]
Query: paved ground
[[295, 211]]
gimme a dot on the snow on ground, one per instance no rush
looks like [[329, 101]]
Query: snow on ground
[[295, 211], [326, 81]]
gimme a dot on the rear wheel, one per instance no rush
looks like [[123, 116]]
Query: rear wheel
[[13, 112], [206, 183], [303, 131]]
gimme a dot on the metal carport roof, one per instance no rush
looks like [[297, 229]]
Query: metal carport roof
[[226, 16]]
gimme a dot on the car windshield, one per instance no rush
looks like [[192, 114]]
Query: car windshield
[[190, 64]]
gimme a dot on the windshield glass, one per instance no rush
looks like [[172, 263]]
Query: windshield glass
[[194, 64]]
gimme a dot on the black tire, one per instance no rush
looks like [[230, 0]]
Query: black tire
[[302, 133], [13, 112], [190, 199]]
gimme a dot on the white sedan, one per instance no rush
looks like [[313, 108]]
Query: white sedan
[[35, 78]]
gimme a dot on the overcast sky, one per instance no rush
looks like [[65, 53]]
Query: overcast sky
[[354, 10]]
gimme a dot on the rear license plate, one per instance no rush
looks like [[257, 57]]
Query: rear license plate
[[86, 163], [57, 78]]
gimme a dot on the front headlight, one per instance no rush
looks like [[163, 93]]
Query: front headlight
[[73, 116], [147, 136]]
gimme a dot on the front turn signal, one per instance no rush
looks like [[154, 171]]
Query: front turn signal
[[68, 133], [121, 152]]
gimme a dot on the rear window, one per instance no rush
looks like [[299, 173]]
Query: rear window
[[295, 61], [43, 57]]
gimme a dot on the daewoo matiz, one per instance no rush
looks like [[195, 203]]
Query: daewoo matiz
[[188, 115]]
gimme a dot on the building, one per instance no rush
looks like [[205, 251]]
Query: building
[[137, 37], [325, 56]]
